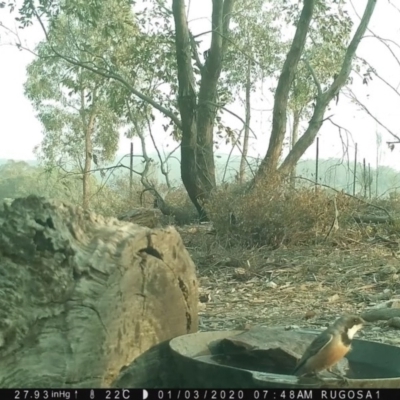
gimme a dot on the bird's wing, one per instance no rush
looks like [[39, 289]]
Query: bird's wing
[[319, 343]]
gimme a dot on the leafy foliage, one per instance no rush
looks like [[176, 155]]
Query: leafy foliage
[[109, 197], [19, 179], [149, 51], [254, 38], [328, 38], [67, 96]]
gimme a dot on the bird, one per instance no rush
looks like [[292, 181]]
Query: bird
[[328, 348]]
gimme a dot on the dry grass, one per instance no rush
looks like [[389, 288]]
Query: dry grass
[[261, 286], [183, 209], [276, 263], [277, 215], [115, 199]]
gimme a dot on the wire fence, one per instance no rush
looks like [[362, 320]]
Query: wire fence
[[353, 174]]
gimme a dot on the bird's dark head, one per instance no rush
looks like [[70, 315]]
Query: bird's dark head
[[350, 324]]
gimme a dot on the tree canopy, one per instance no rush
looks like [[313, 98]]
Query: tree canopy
[[153, 55]]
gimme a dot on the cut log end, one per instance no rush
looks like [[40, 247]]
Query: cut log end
[[82, 295]]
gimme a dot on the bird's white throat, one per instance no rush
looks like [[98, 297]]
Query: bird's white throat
[[353, 330]]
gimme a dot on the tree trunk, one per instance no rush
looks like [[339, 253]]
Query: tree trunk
[[295, 137], [270, 162], [82, 296], [324, 98], [245, 148], [279, 117], [88, 129], [88, 161], [198, 111], [187, 101]]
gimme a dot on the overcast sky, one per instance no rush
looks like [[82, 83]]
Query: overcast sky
[[20, 131]]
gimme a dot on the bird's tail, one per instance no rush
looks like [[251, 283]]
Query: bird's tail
[[298, 369]]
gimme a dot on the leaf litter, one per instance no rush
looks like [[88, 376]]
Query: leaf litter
[[307, 287]]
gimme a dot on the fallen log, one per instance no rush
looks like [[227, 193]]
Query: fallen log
[[82, 296]]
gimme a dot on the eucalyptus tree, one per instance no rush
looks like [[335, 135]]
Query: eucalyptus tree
[[254, 54], [197, 79], [75, 105], [316, 14], [193, 84], [323, 55]]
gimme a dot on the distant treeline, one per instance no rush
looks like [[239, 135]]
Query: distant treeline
[[20, 178]]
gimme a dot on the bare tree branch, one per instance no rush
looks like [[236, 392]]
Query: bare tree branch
[[373, 70], [164, 171], [395, 7], [345, 146], [314, 76], [195, 52], [382, 40], [353, 97], [235, 115], [230, 154], [18, 42]]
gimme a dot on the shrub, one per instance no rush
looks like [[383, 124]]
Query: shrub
[[275, 214]]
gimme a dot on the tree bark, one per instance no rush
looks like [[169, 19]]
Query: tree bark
[[187, 102], [295, 138], [198, 111], [279, 117], [82, 296], [88, 129], [324, 98], [88, 160], [245, 148]]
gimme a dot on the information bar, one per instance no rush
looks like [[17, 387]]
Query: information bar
[[199, 394]]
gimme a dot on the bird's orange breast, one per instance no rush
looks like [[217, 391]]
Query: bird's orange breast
[[328, 356]]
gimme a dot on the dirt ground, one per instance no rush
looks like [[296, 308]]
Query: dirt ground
[[298, 287]]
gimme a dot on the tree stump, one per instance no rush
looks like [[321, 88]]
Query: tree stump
[[81, 295]]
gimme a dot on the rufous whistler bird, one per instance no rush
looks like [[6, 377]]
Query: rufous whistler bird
[[330, 346]]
